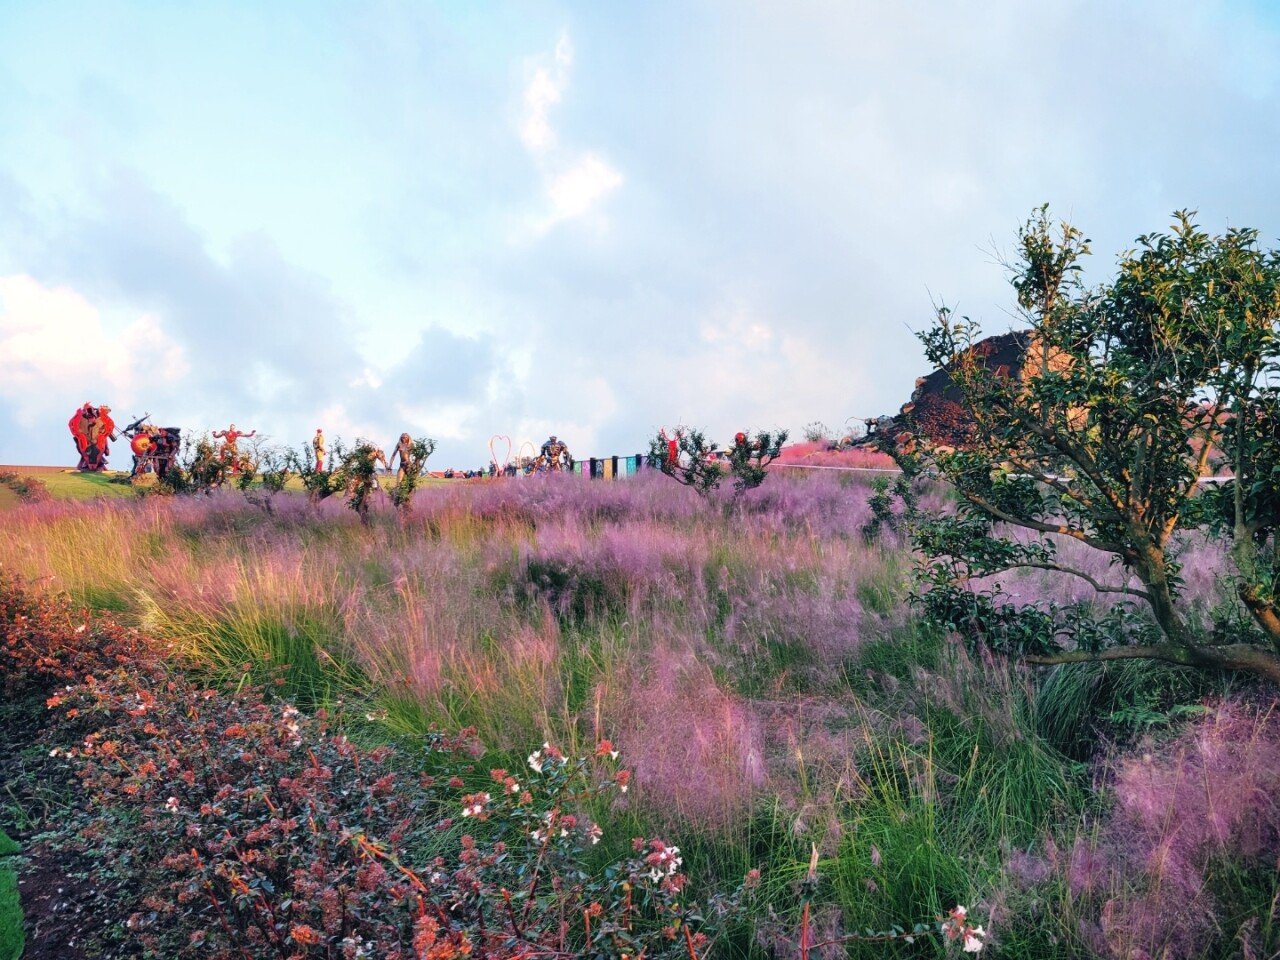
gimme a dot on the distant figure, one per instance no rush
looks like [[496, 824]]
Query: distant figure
[[403, 450], [554, 454], [79, 427], [228, 451], [95, 429], [317, 445]]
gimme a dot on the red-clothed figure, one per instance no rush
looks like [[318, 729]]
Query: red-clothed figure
[[103, 431], [79, 425], [229, 453]]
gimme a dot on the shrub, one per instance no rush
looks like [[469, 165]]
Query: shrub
[[28, 489], [46, 643]]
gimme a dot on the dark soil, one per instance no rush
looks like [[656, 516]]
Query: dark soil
[[62, 913], [54, 908]]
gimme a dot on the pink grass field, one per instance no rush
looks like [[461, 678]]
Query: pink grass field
[[732, 657]]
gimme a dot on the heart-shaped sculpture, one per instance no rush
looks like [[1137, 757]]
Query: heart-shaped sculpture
[[494, 443]]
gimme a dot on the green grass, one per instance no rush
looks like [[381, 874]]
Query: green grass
[[84, 486], [12, 939]]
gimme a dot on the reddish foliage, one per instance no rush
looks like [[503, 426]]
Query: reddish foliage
[[46, 643], [225, 826]]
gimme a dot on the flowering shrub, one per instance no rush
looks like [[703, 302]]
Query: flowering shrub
[[259, 831], [46, 643]]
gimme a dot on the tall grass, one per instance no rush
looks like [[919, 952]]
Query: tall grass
[[760, 670]]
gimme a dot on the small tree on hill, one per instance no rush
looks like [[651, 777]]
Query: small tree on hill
[[264, 471], [357, 477], [1128, 391], [691, 460], [318, 482], [411, 475]]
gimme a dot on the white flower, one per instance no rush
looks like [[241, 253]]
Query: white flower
[[171, 804], [80, 629], [973, 940], [536, 761]]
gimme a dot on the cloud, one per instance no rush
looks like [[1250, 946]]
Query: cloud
[[574, 182], [57, 351], [545, 88], [574, 192]]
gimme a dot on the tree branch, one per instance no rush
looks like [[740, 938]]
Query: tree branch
[[1106, 546], [1057, 568], [1235, 656]]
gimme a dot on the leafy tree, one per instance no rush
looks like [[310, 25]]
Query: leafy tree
[[696, 463], [357, 477], [413, 465], [264, 471], [198, 469], [319, 483], [1128, 394]]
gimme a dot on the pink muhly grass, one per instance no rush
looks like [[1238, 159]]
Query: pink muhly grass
[[1183, 809], [815, 453], [696, 749]]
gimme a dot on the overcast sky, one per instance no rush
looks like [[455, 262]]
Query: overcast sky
[[591, 219]]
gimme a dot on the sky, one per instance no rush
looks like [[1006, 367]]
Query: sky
[[468, 220]]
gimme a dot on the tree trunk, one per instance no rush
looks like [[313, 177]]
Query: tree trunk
[[1152, 569], [1264, 612], [1237, 656]]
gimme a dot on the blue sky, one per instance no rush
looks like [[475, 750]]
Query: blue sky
[[592, 219]]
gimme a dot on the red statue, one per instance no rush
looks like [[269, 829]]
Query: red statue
[[92, 429], [228, 451]]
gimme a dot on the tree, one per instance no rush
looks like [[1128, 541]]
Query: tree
[[412, 466], [1127, 394], [690, 460], [317, 481], [357, 477], [264, 472]]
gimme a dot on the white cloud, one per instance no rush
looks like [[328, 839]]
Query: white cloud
[[545, 88], [56, 352], [573, 182], [574, 192], [735, 326]]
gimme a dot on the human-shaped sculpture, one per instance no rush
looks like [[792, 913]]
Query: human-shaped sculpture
[[79, 427], [555, 454], [228, 451], [403, 450], [92, 429], [317, 445]]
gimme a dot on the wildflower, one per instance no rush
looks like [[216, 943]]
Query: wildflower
[[172, 804], [623, 779], [473, 804], [605, 749], [80, 629], [536, 760], [663, 861], [301, 933], [595, 833], [957, 927]]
